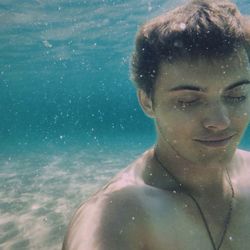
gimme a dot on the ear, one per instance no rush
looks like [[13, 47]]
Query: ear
[[146, 103]]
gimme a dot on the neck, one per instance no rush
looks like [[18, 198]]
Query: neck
[[200, 179], [209, 186]]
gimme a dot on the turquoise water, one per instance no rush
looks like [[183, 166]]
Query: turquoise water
[[69, 114]]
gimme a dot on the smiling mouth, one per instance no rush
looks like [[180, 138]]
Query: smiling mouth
[[216, 142]]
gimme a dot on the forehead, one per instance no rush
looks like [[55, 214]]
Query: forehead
[[215, 72]]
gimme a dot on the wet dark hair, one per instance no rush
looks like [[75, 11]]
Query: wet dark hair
[[200, 28]]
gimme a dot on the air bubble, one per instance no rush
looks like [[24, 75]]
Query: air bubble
[[182, 26]]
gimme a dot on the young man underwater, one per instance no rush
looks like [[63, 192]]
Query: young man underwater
[[192, 189]]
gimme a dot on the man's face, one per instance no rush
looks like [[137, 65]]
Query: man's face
[[202, 108]]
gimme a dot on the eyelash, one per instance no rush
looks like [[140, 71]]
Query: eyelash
[[235, 99], [184, 104]]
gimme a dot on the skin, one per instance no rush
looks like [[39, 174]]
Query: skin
[[143, 207]]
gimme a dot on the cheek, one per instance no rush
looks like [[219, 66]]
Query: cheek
[[240, 124], [177, 129], [242, 116], [176, 121], [247, 112]]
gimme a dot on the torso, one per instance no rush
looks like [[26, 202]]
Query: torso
[[175, 221], [171, 220]]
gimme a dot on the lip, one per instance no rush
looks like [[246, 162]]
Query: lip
[[215, 141]]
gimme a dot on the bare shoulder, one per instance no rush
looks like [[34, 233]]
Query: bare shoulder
[[241, 174], [124, 214], [108, 221], [244, 160], [111, 218], [123, 218], [245, 154]]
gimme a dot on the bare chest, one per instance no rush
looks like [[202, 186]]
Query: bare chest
[[180, 228], [238, 234]]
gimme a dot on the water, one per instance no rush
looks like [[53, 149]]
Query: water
[[40, 189], [69, 114]]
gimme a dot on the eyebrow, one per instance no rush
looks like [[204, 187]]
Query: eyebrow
[[237, 84], [196, 88], [186, 87]]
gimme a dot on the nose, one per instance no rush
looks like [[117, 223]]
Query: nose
[[216, 118]]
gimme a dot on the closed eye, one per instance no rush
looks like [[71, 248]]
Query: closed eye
[[185, 103], [235, 99]]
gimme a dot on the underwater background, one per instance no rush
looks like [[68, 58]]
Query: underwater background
[[69, 117]]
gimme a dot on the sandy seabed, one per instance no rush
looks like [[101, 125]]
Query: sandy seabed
[[39, 192]]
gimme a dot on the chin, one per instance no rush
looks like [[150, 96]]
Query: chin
[[218, 155]]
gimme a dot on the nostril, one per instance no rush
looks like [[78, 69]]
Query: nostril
[[217, 124]]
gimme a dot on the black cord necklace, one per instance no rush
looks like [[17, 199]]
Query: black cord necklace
[[228, 217]]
